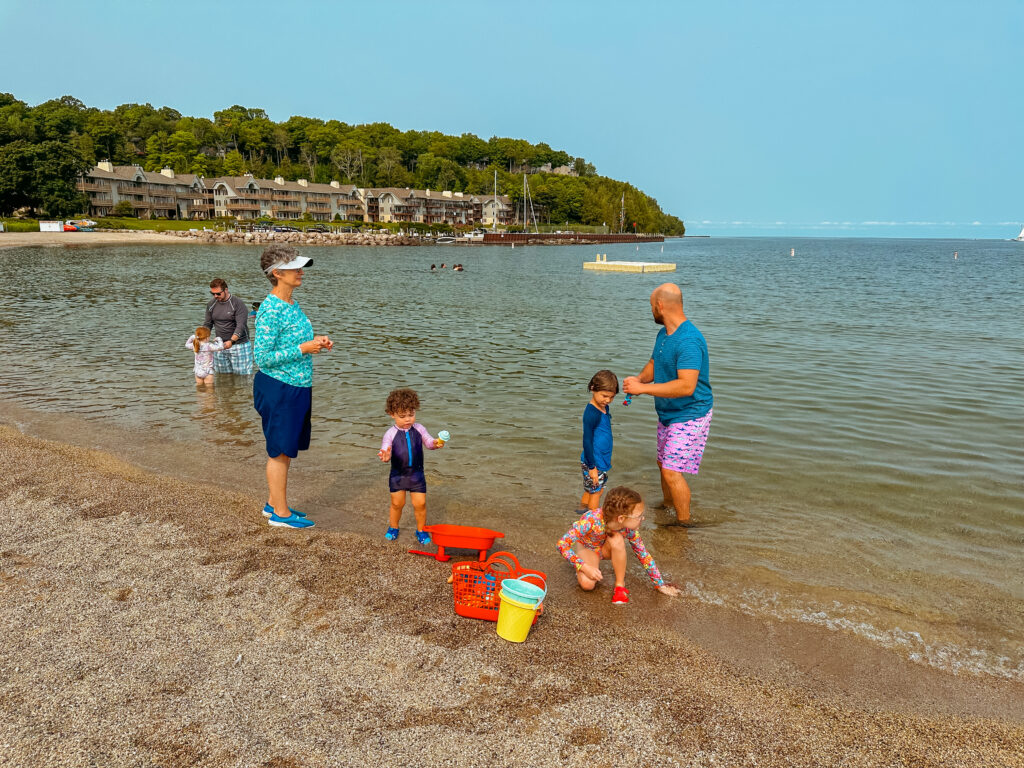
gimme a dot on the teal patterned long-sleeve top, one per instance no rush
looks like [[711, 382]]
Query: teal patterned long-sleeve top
[[280, 329]]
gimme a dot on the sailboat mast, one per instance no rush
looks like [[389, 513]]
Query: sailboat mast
[[494, 221]]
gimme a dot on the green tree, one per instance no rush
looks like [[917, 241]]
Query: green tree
[[58, 168], [582, 167], [123, 208], [17, 176], [59, 118], [107, 138], [42, 177], [234, 163], [347, 158], [389, 166]]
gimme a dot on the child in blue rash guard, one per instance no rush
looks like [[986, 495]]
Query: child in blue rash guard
[[403, 446], [596, 459]]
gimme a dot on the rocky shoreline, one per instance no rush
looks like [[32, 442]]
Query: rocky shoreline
[[293, 238]]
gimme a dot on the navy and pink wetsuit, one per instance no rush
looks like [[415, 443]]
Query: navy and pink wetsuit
[[407, 457]]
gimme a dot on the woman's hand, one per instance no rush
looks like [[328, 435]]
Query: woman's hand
[[593, 475], [592, 573], [318, 343], [668, 589], [384, 454]]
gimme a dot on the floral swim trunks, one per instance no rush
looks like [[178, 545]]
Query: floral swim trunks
[[681, 446], [588, 486]]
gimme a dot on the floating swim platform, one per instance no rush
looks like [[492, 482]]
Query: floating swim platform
[[629, 266]]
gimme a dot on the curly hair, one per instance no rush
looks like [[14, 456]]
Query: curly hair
[[619, 501], [402, 401], [604, 381], [276, 254]]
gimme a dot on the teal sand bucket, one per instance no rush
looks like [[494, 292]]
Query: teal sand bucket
[[524, 591]]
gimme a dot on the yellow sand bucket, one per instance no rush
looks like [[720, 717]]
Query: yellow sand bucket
[[514, 618]]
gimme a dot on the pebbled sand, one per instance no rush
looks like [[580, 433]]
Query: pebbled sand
[[52, 239], [149, 621]]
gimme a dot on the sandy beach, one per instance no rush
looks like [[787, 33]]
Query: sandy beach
[[154, 620], [111, 237]]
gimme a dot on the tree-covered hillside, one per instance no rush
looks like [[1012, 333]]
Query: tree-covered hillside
[[43, 149]]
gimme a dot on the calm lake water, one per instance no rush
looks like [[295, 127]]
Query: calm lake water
[[865, 469]]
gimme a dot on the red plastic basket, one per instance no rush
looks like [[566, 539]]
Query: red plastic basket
[[476, 585]]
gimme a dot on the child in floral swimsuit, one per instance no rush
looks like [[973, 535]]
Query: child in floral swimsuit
[[200, 343], [602, 534]]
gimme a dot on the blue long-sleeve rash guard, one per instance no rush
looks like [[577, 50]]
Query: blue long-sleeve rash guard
[[597, 438]]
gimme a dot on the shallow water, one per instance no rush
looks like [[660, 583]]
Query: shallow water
[[865, 469]]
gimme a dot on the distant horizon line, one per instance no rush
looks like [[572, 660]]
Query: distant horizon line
[[840, 236], [975, 230], [842, 224]]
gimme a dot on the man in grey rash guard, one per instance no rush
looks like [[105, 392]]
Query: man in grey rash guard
[[229, 316]]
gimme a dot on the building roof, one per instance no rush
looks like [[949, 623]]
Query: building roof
[[135, 173], [284, 186]]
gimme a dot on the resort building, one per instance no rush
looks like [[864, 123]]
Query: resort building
[[245, 197], [186, 196], [427, 206], [152, 195], [495, 210]]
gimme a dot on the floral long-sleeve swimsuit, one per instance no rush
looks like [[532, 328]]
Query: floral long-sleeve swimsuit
[[589, 531], [204, 357]]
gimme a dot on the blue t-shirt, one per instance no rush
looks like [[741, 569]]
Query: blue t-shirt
[[683, 350], [597, 438]]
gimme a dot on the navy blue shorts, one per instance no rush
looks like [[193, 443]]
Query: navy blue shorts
[[415, 482], [285, 411]]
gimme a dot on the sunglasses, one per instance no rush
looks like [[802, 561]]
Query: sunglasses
[[216, 293]]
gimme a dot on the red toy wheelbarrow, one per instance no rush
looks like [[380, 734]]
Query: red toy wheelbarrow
[[459, 537]]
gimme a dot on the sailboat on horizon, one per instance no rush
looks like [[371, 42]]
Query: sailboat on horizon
[[1019, 238]]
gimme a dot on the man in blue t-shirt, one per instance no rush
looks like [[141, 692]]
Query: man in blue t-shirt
[[678, 376]]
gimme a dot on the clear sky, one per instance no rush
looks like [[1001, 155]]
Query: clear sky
[[799, 118]]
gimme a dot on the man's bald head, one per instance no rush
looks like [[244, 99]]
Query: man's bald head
[[667, 293], [667, 304]]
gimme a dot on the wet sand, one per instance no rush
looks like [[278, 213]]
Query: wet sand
[[52, 239], [153, 620]]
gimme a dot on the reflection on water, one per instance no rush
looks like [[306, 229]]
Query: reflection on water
[[864, 469]]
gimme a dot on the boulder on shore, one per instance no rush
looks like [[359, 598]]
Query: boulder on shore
[[296, 238]]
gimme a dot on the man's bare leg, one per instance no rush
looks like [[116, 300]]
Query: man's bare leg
[[678, 490], [666, 491]]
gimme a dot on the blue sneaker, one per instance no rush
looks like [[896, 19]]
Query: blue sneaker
[[391, 534], [269, 510], [292, 521], [423, 537]]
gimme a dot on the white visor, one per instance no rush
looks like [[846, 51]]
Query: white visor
[[297, 263]]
